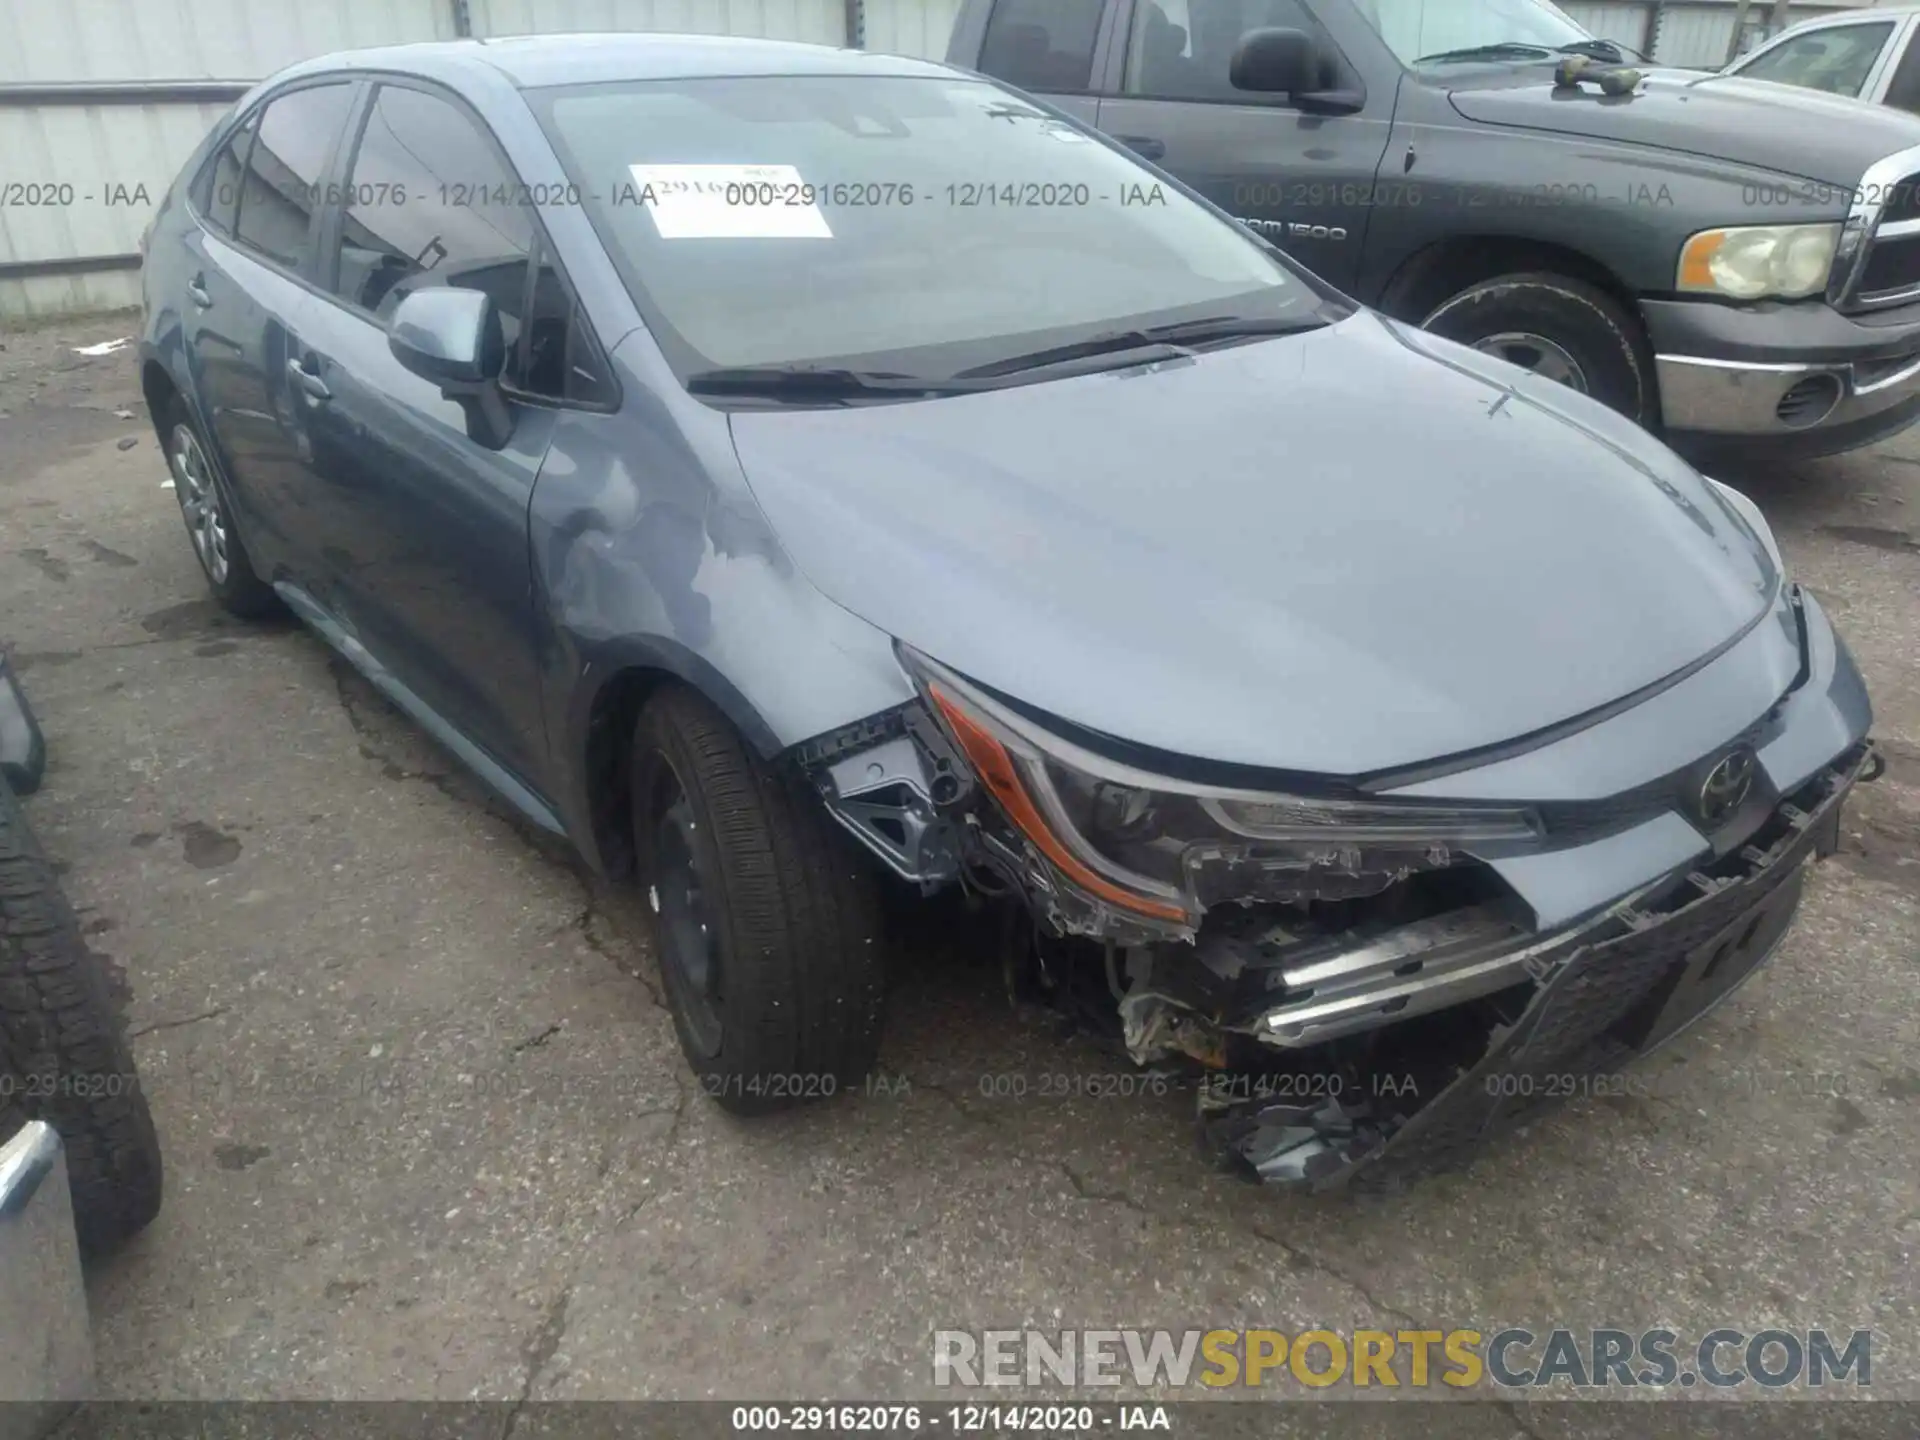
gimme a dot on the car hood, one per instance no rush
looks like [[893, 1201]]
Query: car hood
[[1781, 128], [1342, 552]]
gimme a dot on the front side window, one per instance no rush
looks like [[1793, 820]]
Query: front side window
[[1837, 60], [919, 225], [1042, 44], [428, 203], [1182, 49], [277, 193], [1418, 30]]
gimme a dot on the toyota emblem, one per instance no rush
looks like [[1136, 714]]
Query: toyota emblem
[[1727, 786]]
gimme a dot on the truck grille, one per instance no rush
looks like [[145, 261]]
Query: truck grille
[[1893, 266], [1889, 271]]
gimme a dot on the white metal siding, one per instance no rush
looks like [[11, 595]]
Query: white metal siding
[[911, 27], [1612, 21], [53, 40], [820, 21]]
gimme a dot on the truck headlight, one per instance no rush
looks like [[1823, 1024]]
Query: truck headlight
[[1169, 849], [1747, 262]]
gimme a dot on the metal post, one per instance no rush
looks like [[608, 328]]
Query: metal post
[[857, 24], [1739, 29], [1777, 21], [462, 19], [1656, 19]]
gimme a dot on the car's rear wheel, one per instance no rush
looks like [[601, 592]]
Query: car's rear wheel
[[64, 1056], [767, 927], [209, 520], [1563, 330]]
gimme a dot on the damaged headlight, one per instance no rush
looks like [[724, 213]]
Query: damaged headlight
[[1169, 849]]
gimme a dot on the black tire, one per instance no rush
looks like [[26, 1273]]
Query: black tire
[[1605, 344], [64, 1056], [232, 579], [797, 987]]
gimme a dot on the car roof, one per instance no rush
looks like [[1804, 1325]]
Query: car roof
[[1851, 17], [531, 61]]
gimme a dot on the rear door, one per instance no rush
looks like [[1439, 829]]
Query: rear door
[[1304, 181], [431, 569], [246, 299]]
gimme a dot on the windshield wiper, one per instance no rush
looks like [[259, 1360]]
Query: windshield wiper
[[1499, 50], [808, 382], [1525, 50], [1609, 50], [1177, 338]]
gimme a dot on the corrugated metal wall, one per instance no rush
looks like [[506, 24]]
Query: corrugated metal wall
[[910, 27], [821, 21], [77, 181], [1695, 36]]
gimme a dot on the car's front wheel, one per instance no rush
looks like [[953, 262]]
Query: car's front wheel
[[767, 926], [1563, 330]]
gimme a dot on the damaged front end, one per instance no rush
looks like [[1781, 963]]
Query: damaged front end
[[1349, 978]]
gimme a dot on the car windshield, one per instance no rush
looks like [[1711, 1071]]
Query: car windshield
[[1417, 30], [911, 226]]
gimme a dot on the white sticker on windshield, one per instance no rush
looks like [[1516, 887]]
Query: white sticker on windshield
[[729, 202]]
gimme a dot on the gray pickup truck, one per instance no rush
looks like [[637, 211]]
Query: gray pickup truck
[[1731, 262]]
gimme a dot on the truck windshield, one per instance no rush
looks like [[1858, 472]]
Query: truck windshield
[[896, 225], [1427, 31]]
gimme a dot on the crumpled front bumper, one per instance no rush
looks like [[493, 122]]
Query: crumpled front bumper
[[1604, 995]]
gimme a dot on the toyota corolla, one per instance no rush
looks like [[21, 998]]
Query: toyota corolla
[[787, 472]]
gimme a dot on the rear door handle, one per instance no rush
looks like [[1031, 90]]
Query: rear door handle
[[308, 381], [1145, 146], [197, 289]]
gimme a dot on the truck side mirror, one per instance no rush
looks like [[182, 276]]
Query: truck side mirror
[[1279, 62], [1286, 62]]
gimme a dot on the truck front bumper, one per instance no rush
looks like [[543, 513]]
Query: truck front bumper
[[1783, 379]]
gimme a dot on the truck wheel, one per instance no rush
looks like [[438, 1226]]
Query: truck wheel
[[767, 928], [209, 519], [1560, 328], [64, 1056]]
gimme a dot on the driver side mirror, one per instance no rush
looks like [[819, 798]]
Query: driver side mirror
[[1279, 61], [454, 339]]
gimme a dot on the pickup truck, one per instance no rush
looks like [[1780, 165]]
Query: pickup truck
[[1730, 262], [1867, 54]]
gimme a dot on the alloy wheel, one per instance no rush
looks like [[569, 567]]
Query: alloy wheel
[[199, 497]]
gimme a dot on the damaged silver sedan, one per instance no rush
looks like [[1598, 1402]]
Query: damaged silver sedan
[[840, 471]]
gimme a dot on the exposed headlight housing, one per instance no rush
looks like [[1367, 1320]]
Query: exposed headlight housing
[[1750, 262], [1165, 850]]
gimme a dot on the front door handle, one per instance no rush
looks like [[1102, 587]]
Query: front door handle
[[197, 290], [1145, 146], [312, 384]]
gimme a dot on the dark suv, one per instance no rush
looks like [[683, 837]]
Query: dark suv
[[1733, 262]]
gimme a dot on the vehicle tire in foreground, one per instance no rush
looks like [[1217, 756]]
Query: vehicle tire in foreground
[[64, 1056], [767, 927], [1561, 329], [209, 519]]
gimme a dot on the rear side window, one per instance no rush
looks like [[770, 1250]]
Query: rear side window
[[430, 203], [1837, 60], [218, 193], [1042, 44], [283, 167], [1182, 49]]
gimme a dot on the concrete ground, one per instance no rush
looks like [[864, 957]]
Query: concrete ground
[[428, 1134]]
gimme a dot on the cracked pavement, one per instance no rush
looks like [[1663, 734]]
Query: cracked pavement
[[428, 1134]]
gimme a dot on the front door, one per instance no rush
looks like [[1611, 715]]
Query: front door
[[430, 566], [1304, 181]]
